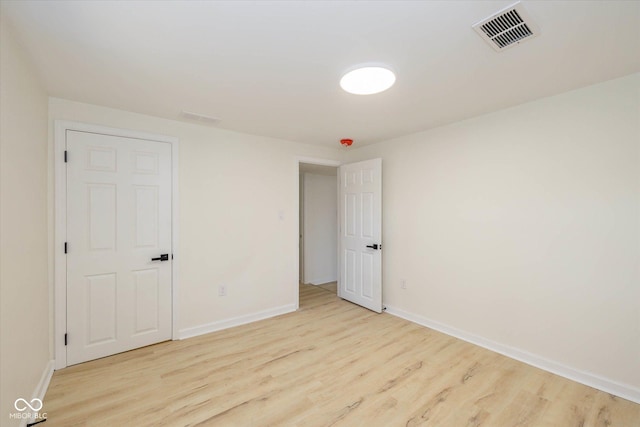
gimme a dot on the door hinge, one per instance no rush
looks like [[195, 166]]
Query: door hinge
[[66, 247], [65, 339], [66, 158]]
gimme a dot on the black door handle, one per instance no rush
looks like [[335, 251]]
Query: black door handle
[[163, 257], [374, 246]]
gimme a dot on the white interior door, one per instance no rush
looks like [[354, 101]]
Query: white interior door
[[118, 219], [360, 279]]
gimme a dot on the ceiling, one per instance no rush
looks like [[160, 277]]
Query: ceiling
[[272, 68]]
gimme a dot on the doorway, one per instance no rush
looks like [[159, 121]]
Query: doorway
[[318, 225], [359, 245]]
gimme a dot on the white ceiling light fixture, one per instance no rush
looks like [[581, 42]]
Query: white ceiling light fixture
[[368, 80]]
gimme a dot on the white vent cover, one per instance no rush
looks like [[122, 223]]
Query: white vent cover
[[507, 28], [201, 117]]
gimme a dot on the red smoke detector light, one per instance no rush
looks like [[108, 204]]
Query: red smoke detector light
[[346, 142]]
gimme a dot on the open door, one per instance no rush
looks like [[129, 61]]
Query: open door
[[360, 259]]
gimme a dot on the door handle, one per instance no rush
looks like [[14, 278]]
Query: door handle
[[375, 246], [163, 257]]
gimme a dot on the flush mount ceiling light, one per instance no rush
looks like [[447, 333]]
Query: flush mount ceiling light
[[368, 80]]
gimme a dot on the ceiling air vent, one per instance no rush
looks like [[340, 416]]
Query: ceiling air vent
[[201, 118], [507, 28]]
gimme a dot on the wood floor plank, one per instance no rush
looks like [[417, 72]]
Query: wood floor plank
[[331, 363]]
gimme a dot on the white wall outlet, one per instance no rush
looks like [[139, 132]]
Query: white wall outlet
[[222, 290], [403, 284]]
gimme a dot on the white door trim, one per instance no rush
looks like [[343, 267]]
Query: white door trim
[[60, 226], [296, 180]]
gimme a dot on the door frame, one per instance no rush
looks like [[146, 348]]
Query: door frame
[[301, 220], [311, 161], [60, 225]]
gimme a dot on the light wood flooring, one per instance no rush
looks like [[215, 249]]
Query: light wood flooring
[[331, 363], [331, 287]]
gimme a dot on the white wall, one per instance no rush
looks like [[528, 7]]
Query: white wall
[[320, 228], [24, 287], [232, 189], [522, 228]]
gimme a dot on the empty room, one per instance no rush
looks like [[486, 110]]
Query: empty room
[[320, 213]]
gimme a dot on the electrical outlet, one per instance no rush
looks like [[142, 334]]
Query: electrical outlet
[[222, 291], [403, 284]]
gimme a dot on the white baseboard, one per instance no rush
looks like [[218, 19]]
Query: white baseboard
[[321, 281], [45, 379], [235, 321], [41, 390], [622, 390]]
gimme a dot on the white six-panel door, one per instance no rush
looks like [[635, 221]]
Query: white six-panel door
[[118, 219], [360, 278]]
